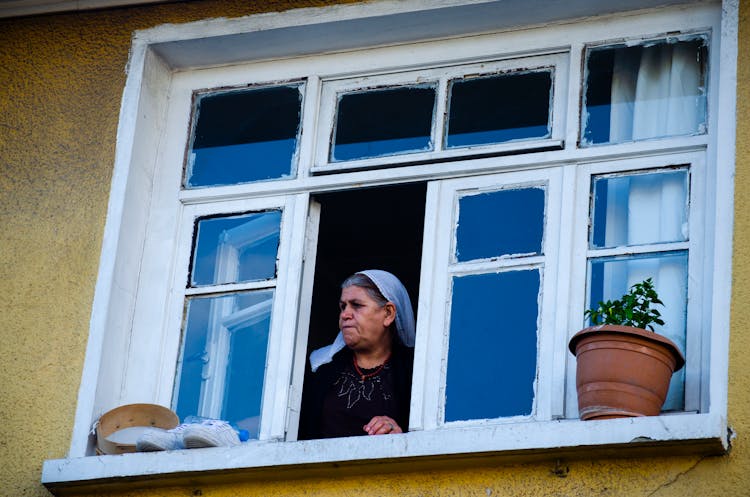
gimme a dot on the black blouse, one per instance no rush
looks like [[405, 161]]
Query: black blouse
[[338, 402]]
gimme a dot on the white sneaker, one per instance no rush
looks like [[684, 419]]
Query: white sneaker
[[155, 439], [210, 433]]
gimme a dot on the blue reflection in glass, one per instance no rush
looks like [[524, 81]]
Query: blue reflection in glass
[[243, 321], [500, 223], [498, 109], [611, 277], [638, 209], [379, 148], [236, 249], [244, 136], [383, 122], [497, 136], [492, 353]]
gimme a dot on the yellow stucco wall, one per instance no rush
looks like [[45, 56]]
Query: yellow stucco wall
[[61, 80]]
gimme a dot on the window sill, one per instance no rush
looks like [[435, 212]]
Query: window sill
[[517, 442]]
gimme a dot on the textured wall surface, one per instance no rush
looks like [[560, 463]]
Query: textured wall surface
[[61, 80]]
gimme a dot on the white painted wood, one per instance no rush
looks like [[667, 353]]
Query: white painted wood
[[546, 397], [706, 433], [695, 366], [431, 307], [278, 357], [450, 193], [114, 295], [565, 293], [310, 116], [343, 27], [438, 78], [698, 270], [155, 217], [720, 291], [310, 250]]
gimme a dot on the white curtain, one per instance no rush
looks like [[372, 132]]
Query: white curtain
[[655, 93]]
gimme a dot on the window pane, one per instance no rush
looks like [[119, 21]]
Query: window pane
[[493, 345], [244, 136], [610, 278], [236, 249], [223, 358], [647, 91], [384, 122], [500, 223], [499, 109], [639, 209]]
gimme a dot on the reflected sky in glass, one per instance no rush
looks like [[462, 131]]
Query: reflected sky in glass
[[244, 136], [244, 319], [498, 109], [500, 223], [611, 277], [236, 249], [492, 355], [640, 209], [383, 122]]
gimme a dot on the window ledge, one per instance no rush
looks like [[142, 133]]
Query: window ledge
[[696, 433]]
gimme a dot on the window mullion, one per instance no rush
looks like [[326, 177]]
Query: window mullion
[[439, 120], [576, 289], [547, 401], [637, 249], [307, 148], [699, 264], [573, 97], [227, 288], [560, 266]]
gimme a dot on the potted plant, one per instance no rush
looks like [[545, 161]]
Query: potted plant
[[623, 366]]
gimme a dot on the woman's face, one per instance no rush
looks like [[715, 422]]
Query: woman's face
[[362, 321]]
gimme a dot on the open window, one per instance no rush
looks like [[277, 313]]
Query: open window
[[373, 228]]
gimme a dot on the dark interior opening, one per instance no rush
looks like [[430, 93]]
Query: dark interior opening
[[373, 228]]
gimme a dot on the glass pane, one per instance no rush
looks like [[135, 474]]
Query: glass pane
[[648, 91], [610, 278], [236, 249], [492, 352], [499, 223], [244, 136], [223, 358], [639, 208], [499, 109], [383, 122]]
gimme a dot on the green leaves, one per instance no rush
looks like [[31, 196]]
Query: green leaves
[[633, 309]]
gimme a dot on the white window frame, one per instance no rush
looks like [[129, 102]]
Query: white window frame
[[431, 351], [696, 393], [557, 64], [146, 198], [280, 342]]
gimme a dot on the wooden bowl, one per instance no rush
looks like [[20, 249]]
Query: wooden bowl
[[130, 416]]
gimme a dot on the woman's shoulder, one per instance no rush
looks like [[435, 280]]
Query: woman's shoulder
[[341, 358]]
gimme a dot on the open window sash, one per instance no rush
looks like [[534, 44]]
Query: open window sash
[[223, 321], [543, 398]]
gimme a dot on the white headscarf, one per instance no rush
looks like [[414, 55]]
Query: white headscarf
[[393, 290]]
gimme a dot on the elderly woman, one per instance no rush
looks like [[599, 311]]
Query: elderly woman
[[362, 382]]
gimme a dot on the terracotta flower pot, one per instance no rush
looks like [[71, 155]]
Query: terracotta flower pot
[[622, 371]]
